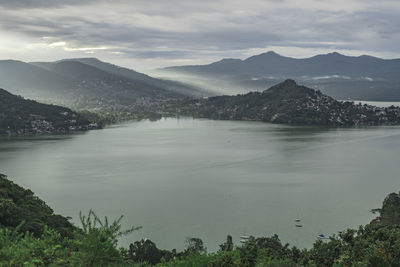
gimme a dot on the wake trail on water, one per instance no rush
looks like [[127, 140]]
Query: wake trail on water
[[356, 140]]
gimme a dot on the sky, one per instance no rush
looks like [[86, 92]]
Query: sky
[[145, 35]]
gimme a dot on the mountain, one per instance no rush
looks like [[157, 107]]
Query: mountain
[[32, 81], [21, 116], [90, 81], [343, 77], [90, 84], [132, 75], [289, 103]]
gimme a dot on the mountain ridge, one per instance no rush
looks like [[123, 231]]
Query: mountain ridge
[[90, 84], [343, 77]]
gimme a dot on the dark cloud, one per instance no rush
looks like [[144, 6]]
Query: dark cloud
[[29, 4], [181, 30]]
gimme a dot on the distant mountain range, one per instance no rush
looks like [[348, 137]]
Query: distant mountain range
[[21, 116], [88, 83], [119, 93], [342, 77]]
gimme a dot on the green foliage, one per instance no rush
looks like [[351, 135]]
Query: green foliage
[[18, 249], [19, 205], [248, 253], [390, 211], [226, 259], [146, 251], [228, 245], [96, 243], [326, 253], [194, 245]]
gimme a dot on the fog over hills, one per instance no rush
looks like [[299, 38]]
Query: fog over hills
[[130, 74], [21, 116], [88, 83], [32, 81], [343, 77]]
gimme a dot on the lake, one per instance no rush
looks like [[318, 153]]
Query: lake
[[183, 178], [378, 103]]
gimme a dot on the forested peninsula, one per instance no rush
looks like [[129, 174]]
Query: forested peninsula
[[287, 103], [25, 117]]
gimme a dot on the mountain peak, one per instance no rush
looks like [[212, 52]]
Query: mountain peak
[[335, 54], [227, 61], [289, 82], [288, 87], [271, 53], [83, 59]]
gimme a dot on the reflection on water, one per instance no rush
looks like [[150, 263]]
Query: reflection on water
[[184, 177]]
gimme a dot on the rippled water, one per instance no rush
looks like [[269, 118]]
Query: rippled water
[[183, 177]]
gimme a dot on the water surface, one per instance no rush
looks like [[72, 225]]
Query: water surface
[[183, 177]]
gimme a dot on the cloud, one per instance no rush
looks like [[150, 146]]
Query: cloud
[[33, 4], [144, 35]]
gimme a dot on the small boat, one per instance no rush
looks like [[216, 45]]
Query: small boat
[[322, 236], [244, 238], [297, 220], [298, 225]]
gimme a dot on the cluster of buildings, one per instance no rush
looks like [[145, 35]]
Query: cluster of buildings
[[348, 113], [41, 126]]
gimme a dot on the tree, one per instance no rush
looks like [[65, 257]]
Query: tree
[[228, 245], [194, 245]]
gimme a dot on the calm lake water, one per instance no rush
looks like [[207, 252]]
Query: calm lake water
[[378, 103], [202, 178]]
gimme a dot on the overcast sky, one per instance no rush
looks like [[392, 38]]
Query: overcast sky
[[146, 34]]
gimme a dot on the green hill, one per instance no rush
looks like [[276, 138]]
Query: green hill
[[290, 103], [18, 205], [21, 116]]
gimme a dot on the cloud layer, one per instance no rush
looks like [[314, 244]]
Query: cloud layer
[[149, 34]]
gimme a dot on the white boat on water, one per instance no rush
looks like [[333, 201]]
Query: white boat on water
[[244, 238]]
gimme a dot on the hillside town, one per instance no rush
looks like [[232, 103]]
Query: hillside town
[[288, 103]]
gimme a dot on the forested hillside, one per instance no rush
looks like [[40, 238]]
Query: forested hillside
[[290, 103], [22, 116]]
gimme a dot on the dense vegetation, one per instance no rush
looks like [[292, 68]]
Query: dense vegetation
[[21, 116], [18, 204], [32, 235], [289, 103]]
